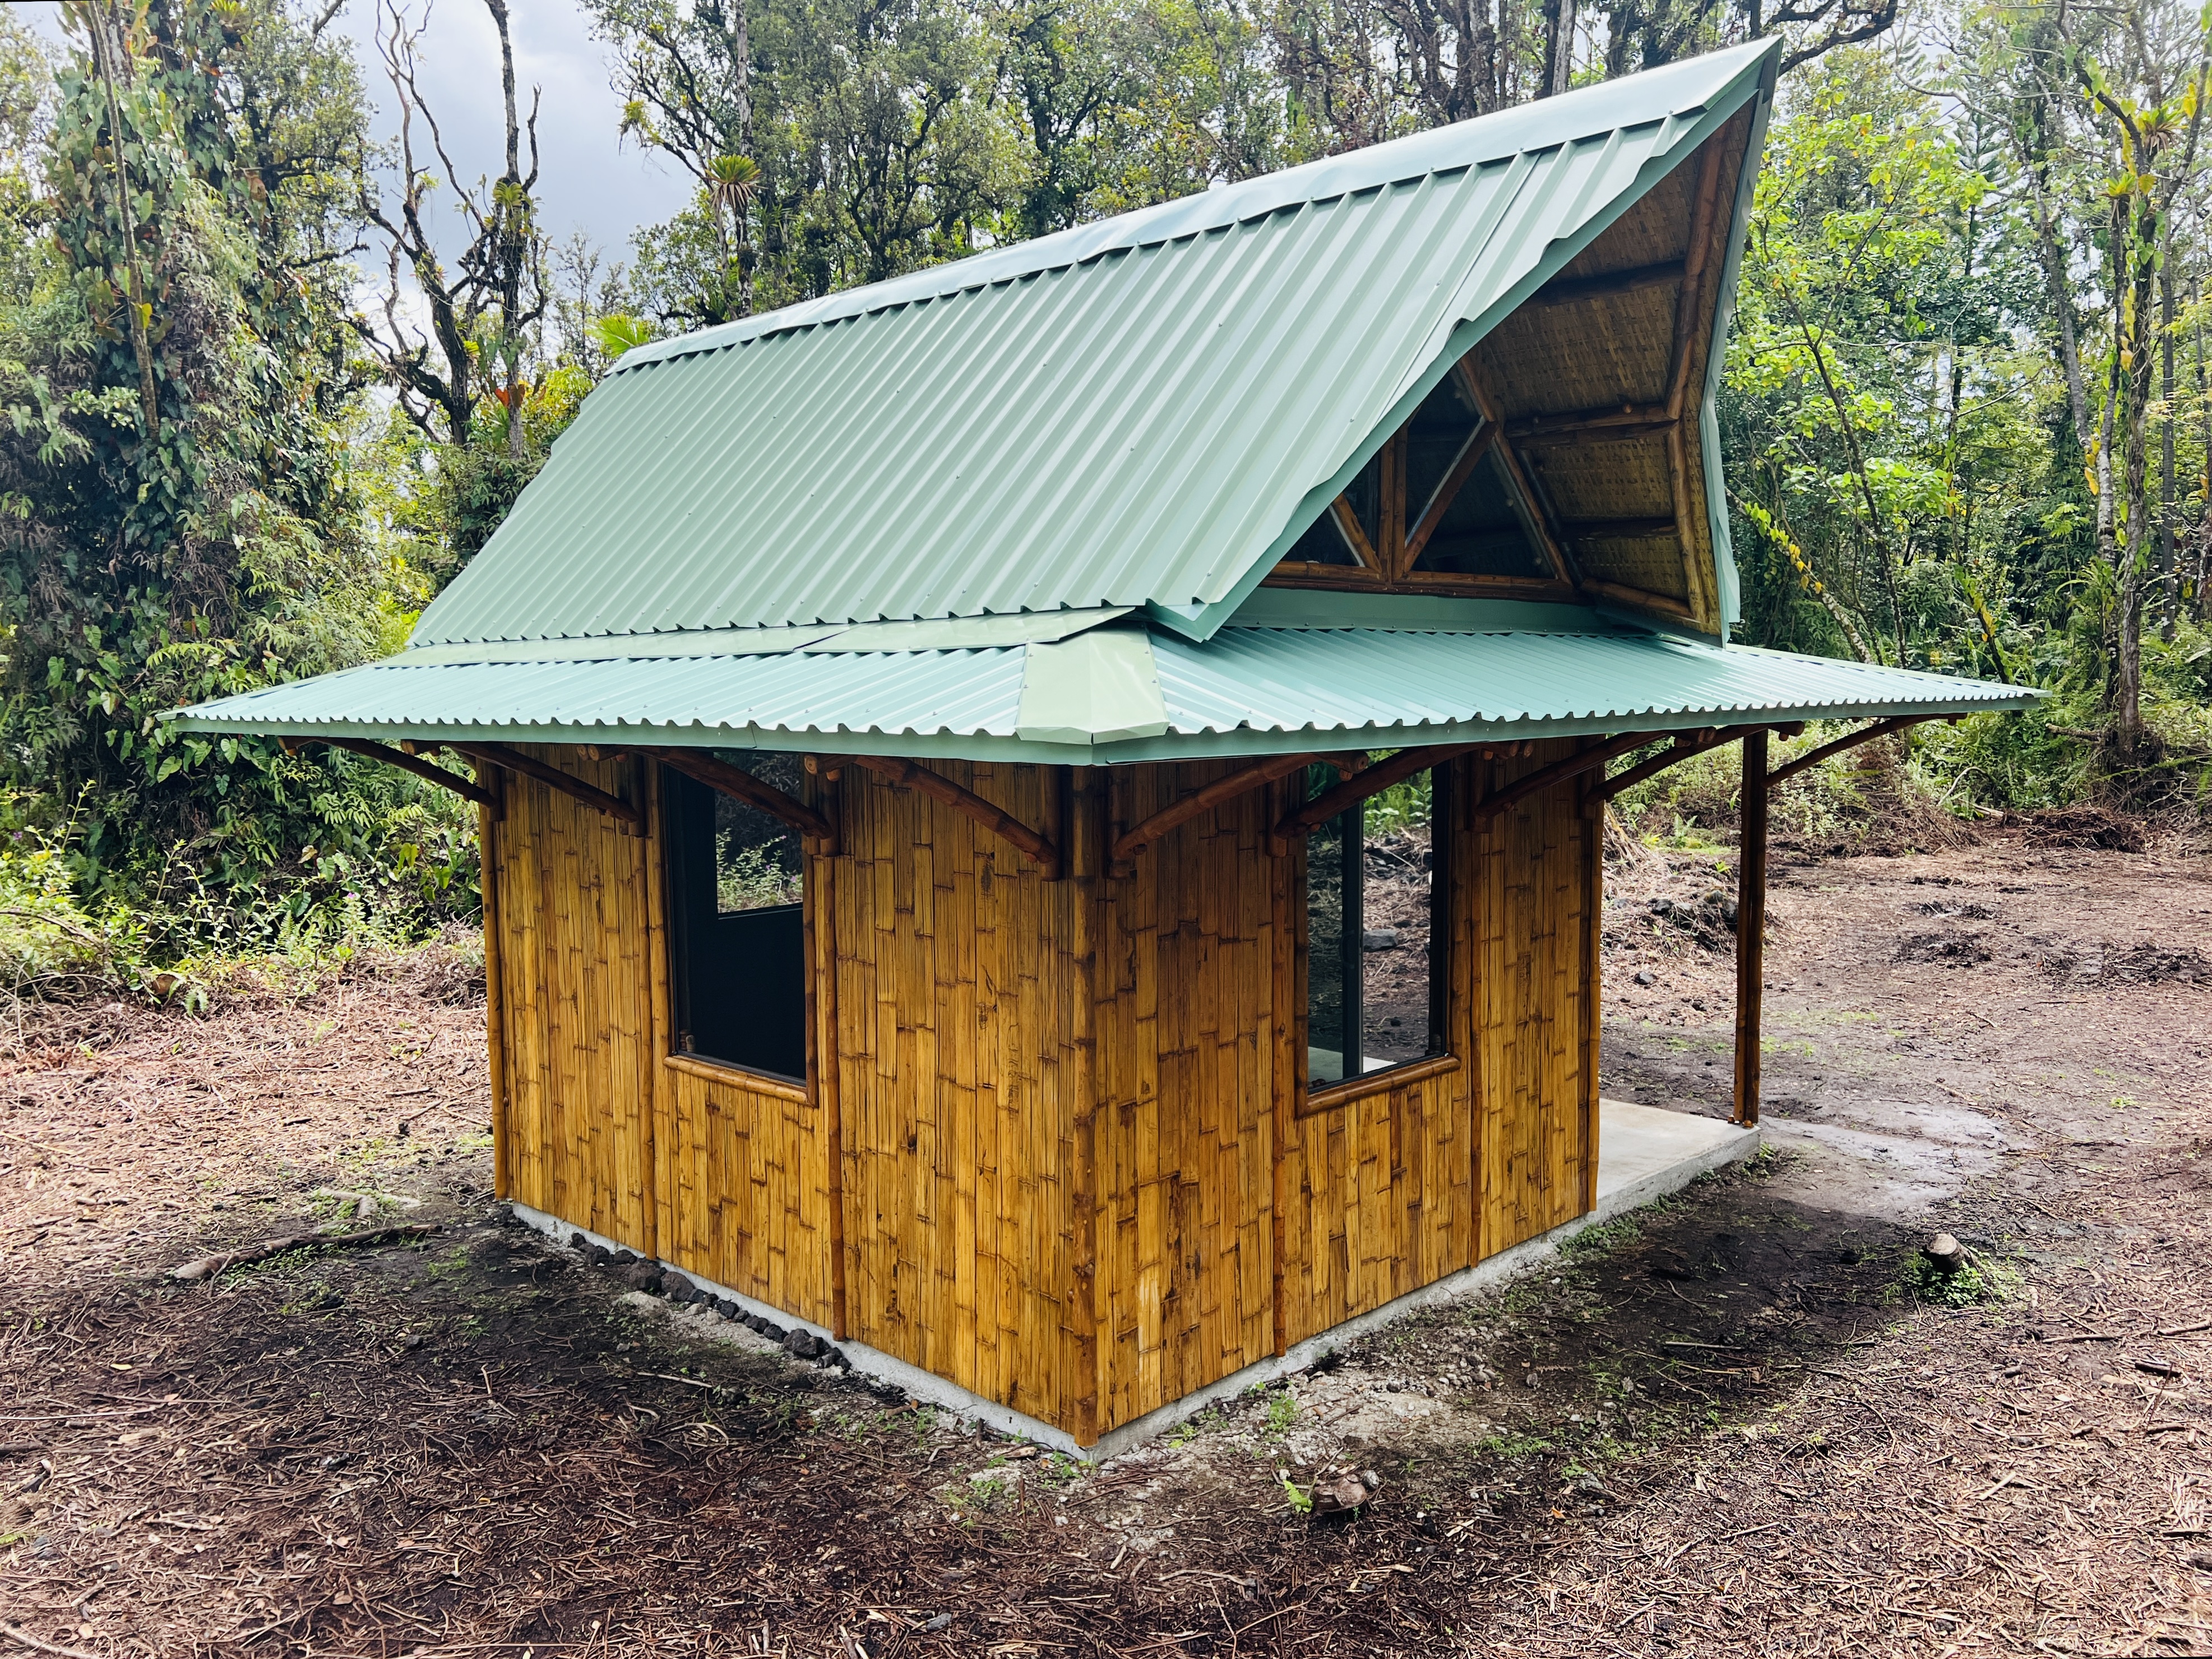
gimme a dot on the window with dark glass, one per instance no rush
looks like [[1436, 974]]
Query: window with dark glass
[[737, 937], [1376, 932]]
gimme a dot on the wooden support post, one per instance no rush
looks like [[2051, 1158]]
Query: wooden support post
[[1593, 975], [1114, 785], [1750, 925], [1285, 1075], [503, 1135], [1086, 853], [658, 1187], [823, 1049]]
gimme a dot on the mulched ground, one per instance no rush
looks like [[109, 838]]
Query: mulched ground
[[1743, 1422]]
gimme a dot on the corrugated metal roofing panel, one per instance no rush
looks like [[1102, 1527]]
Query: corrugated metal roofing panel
[[1131, 414], [1360, 682], [970, 693], [1248, 690]]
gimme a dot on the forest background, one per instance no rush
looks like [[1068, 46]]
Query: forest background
[[273, 370]]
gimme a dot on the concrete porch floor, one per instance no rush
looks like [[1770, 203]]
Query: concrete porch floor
[[1644, 1153]]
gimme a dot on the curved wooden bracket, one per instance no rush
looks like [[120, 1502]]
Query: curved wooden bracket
[[1372, 781], [514, 760], [741, 785], [1865, 734], [1004, 824], [1686, 745], [1559, 772], [405, 762], [1213, 796]]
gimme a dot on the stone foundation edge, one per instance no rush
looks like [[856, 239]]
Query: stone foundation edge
[[935, 1390]]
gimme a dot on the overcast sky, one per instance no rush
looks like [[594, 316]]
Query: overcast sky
[[587, 180]]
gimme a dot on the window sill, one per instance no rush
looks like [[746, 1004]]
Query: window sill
[[1330, 1095], [737, 1077]]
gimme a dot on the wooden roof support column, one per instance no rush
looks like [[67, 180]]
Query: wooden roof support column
[[741, 785], [1750, 923], [514, 760], [1004, 824], [405, 762], [1204, 801]]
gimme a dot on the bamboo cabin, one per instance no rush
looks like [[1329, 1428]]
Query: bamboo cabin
[[1040, 818]]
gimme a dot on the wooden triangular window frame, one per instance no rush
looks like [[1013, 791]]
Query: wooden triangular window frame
[[1388, 568]]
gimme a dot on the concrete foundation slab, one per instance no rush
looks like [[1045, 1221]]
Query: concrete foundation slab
[[1644, 1153]]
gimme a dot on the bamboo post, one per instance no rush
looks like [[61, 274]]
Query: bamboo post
[[823, 1053], [1283, 1070], [502, 1156], [1593, 974], [1750, 926], [1088, 837]]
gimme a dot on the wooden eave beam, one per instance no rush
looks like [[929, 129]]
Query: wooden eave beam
[[1849, 740], [1622, 419], [406, 762], [1692, 303], [514, 760], [1607, 284], [741, 785], [1618, 529], [1204, 801], [1000, 823], [1372, 781]]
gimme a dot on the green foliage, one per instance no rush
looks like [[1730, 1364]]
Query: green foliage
[[1980, 1280]]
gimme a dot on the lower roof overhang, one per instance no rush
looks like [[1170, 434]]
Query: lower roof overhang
[[1108, 695]]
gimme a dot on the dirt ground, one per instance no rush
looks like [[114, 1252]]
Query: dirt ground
[[1744, 1422]]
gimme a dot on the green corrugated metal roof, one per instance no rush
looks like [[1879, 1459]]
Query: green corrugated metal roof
[[1136, 694], [1140, 412]]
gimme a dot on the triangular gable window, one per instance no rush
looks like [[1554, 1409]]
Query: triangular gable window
[[1481, 529], [1436, 508]]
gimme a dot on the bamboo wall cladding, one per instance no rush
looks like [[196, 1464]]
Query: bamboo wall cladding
[[956, 1015], [1379, 1193], [1533, 884], [1073, 1175], [747, 1178], [1185, 1067], [580, 943]]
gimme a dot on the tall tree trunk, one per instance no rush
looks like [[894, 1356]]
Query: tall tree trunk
[[2169, 562], [2136, 261], [513, 206], [1560, 50]]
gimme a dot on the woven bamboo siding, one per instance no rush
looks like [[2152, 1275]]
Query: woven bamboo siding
[[1379, 1193], [1186, 1074], [748, 1177], [1060, 1104], [578, 944], [955, 999], [1531, 886]]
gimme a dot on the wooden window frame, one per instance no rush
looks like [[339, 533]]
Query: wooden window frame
[[1308, 1101], [803, 1090]]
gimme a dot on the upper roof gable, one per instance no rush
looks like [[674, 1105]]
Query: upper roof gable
[[1142, 411]]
